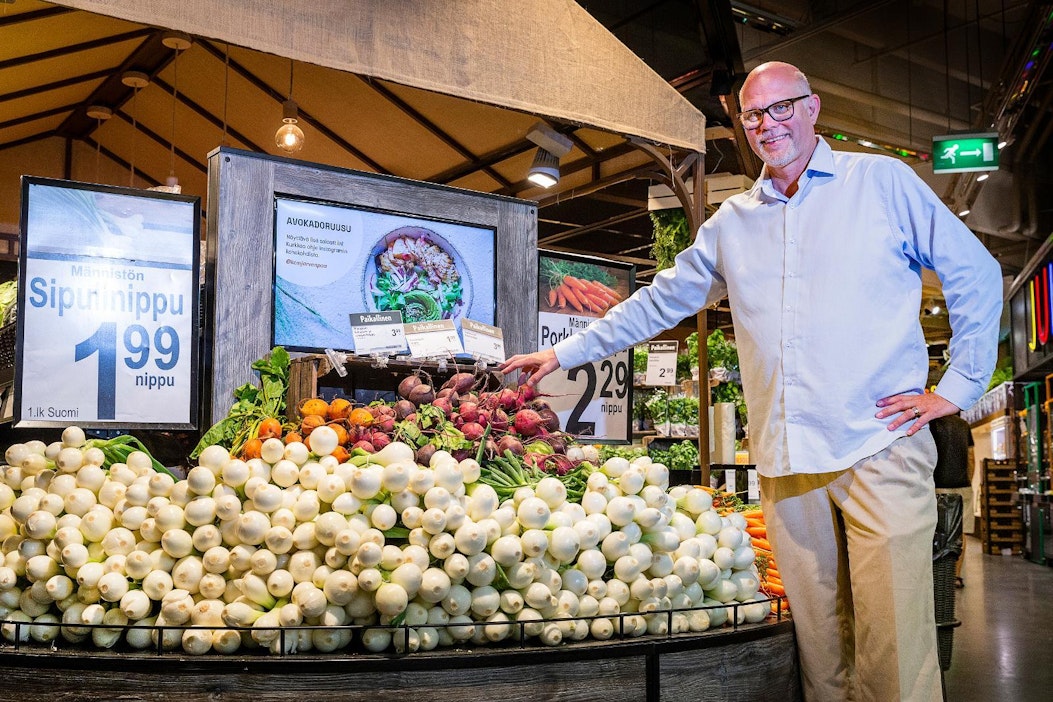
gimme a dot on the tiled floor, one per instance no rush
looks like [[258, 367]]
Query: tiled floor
[[1003, 651]]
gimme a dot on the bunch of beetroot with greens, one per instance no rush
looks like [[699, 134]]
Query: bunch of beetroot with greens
[[473, 415]]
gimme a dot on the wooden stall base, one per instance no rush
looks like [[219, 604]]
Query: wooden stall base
[[753, 662]]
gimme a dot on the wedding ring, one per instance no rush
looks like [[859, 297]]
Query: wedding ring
[[917, 412]]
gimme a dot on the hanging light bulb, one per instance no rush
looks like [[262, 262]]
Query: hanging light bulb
[[99, 113], [176, 41], [289, 137], [136, 80]]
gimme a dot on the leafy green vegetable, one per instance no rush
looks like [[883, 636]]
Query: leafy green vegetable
[[117, 450], [8, 300], [671, 235], [682, 455], [553, 270], [253, 404]]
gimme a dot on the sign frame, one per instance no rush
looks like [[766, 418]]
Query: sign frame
[[356, 228], [599, 374], [137, 203]]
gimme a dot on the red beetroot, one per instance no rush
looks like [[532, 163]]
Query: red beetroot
[[460, 382], [510, 443], [387, 424], [424, 454], [527, 393], [407, 384], [404, 408], [527, 422], [380, 440], [508, 400], [422, 394], [549, 419], [473, 431], [484, 417], [443, 403], [365, 446], [499, 420], [469, 411]]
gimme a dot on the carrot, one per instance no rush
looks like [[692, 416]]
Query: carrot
[[773, 573], [777, 590], [758, 532], [600, 289], [753, 514], [575, 283], [761, 543], [552, 297], [595, 302], [572, 298], [769, 579], [561, 299]]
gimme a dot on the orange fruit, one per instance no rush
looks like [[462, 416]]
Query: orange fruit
[[313, 405], [270, 428], [360, 417], [310, 423], [341, 432], [339, 408], [251, 449]]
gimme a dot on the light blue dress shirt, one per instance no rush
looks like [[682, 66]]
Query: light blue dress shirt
[[825, 290]]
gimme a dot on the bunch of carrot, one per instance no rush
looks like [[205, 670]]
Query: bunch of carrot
[[582, 295], [771, 581]]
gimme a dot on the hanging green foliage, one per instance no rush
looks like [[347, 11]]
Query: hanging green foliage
[[671, 235]]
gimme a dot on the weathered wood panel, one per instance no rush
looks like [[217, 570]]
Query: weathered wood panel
[[240, 251], [764, 669], [753, 663]]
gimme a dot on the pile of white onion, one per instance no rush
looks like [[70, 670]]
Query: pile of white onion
[[286, 550]]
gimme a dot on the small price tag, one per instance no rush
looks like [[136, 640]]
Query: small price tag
[[752, 485], [661, 363], [378, 332], [483, 341], [433, 339]]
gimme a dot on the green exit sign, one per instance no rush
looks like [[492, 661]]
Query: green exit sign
[[961, 153]]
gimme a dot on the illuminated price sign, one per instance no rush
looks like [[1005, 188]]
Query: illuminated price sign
[[593, 401], [378, 333], [108, 307], [433, 339], [483, 341], [661, 363]]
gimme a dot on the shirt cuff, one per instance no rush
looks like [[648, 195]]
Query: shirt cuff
[[958, 389]]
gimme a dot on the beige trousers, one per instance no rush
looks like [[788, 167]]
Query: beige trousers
[[854, 549]]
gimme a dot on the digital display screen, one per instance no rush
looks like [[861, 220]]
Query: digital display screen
[[332, 260]]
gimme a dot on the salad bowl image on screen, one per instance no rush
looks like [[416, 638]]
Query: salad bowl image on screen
[[416, 271]]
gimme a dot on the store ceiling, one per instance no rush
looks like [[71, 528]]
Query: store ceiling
[[890, 72]]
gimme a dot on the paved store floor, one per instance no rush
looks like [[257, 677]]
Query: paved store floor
[[1003, 651]]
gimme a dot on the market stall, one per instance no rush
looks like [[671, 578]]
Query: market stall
[[675, 634]]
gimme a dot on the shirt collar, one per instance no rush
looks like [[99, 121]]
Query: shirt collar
[[820, 164]]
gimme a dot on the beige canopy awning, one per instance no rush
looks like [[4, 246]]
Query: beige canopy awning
[[546, 57]]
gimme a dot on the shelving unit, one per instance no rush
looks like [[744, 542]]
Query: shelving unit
[[1001, 528]]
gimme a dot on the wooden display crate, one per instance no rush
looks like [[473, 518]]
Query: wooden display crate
[[1001, 527]]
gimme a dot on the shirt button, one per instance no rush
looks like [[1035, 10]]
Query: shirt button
[[788, 308]]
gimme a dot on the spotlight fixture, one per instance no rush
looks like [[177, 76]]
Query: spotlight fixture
[[964, 213], [544, 171], [552, 145], [289, 137], [982, 177]]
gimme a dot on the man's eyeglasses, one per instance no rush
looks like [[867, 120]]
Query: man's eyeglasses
[[779, 111]]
